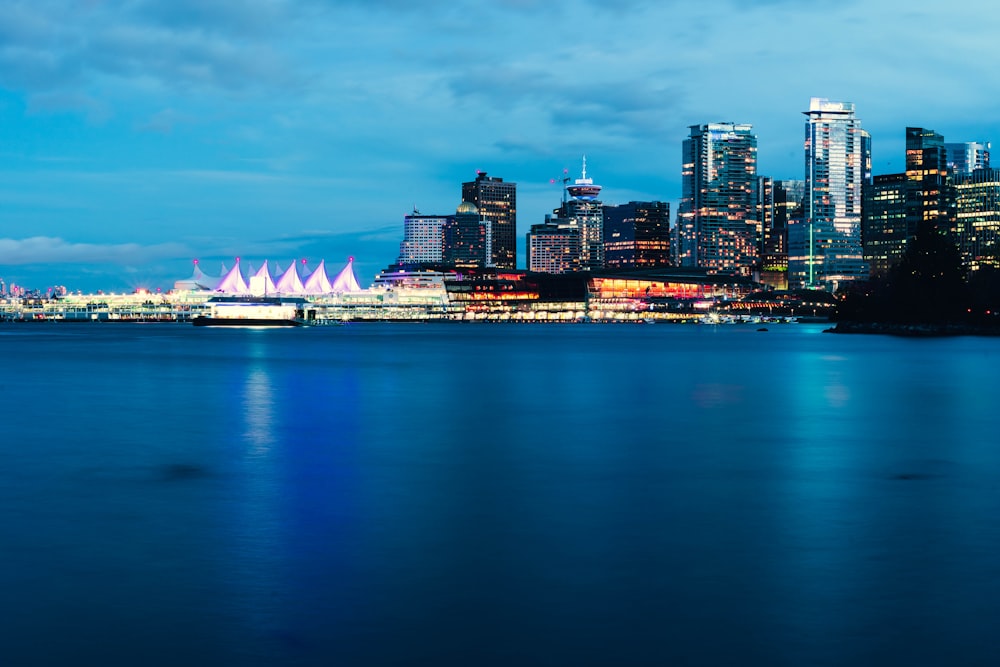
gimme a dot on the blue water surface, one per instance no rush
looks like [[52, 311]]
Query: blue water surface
[[462, 494]]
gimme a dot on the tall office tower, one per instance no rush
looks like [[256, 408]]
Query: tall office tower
[[582, 209], [777, 202], [637, 235], [466, 239], [497, 203], [423, 236], [884, 228], [930, 198], [977, 226], [717, 219], [824, 249], [967, 156], [554, 246]]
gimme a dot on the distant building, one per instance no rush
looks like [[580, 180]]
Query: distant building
[[824, 249], [423, 239], [966, 157], [583, 210], [554, 246], [977, 224], [717, 217], [497, 204], [637, 235], [467, 239], [885, 232]]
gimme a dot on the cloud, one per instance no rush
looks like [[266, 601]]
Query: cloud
[[49, 250]]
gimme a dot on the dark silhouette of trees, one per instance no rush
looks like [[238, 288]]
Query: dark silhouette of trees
[[927, 286]]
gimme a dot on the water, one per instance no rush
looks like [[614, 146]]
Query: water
[[496, 495]]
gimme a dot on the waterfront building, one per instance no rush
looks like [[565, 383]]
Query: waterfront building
[[885, 232], [824, 248], [977, 218], [497, 204], [717, 217], [582, 209], [554, 246], [637, 235], [423, 239], [467, 239], [967, 156]]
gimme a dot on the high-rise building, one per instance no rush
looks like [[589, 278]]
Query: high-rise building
[[778, 201], [466, 239], [554, 246], [423, 236], [930, 198], [824, 249], [965, 157], [717, 217], [977, 226], [637, 235], [583, 210], [497, 203], [885, 232]]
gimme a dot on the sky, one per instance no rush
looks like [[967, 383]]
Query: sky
[[138, 135]]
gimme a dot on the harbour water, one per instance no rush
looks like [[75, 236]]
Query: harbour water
[[461, 494]]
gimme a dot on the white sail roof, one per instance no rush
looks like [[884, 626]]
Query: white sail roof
[[261, 282], [289, 282], [318, 282], [233, 282], [345, 280], [198, 280]]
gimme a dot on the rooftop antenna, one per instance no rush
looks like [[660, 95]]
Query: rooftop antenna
[[584, 167]]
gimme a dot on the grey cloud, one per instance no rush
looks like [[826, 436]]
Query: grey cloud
[[50, 250]]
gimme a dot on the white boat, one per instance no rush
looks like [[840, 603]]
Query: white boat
[[254, 312]]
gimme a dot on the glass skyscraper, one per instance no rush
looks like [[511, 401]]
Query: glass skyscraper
[[497, 203], [717, 217], [825, 246]]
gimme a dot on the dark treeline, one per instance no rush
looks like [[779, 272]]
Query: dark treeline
[[928, 286]]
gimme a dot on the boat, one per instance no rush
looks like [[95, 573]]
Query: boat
[[239, 311]]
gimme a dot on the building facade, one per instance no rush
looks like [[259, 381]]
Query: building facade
[[968, 156], [977, 218], [637, 235], [717, 217], [423, 239], [930, 198], [885, 231], [467, 239], [554, 246], [824, 248], [497, 203]]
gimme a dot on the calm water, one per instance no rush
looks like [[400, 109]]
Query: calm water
[[497, 495]]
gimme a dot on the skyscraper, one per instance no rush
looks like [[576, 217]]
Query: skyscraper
[[977, 228], [965, 157], [824, 249], [637, 235], [497, 203], [885, 232], [929, 197], [778, 201], [583, 210], [553, 247], [422, 239], [717, 218], [466, 239]]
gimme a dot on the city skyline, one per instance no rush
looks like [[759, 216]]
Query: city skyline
[[135, 138]]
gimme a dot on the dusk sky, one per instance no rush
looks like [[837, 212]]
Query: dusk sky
[[137, 135]]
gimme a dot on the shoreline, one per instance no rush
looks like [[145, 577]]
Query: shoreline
[[913, 330]]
